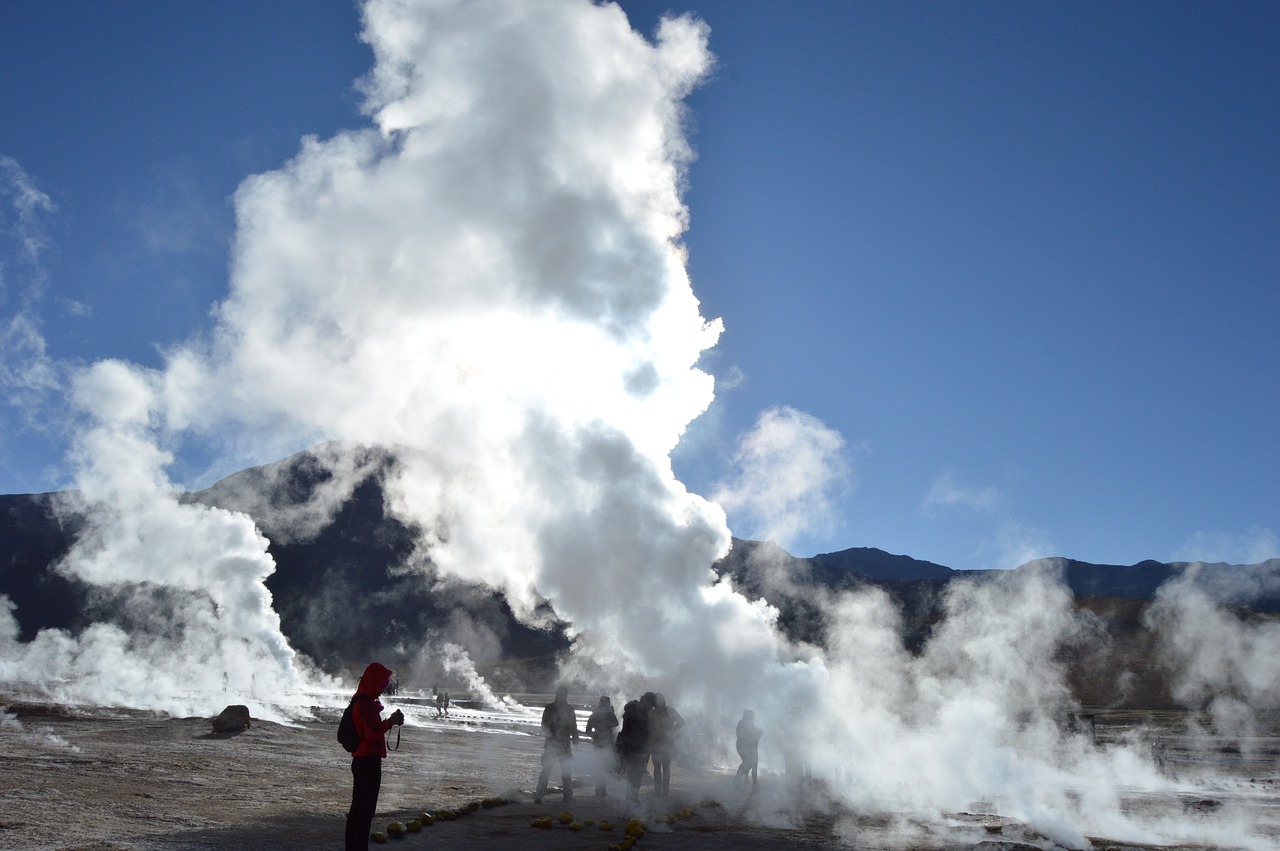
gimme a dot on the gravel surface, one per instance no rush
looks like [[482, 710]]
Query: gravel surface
[[108, 779]]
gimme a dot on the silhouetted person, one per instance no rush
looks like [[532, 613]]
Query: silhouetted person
[[446, 704], [633, 742], [600, 728], [793, 748], [366, 760], [664, 726], [560, 729], [748, 746], [439, 704]]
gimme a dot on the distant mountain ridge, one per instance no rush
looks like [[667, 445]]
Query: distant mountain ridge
[[1132, 582], [877, 564], [344, 569]]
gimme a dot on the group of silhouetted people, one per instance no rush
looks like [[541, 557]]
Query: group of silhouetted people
[[650, 731]]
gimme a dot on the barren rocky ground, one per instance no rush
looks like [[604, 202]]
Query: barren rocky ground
[[109, 779]]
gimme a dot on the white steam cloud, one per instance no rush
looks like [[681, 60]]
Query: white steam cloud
[[788, 469], [1216, 659], [489, 283]]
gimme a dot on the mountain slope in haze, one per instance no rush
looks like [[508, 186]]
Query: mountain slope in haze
[[350, 584]]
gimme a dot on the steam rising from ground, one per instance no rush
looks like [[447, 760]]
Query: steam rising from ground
[[1215, 659], [457, 663], [13, 727], [489, 283]]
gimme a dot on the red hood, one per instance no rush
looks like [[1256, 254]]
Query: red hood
[[374, 680]]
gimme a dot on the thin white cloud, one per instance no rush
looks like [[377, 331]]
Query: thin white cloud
[[947, 492], [24, 362], [1015, 543], [731, 379], [788, 469], [177, 216], [1253, 545], [25, 209], [1007, 542], [27, 374]]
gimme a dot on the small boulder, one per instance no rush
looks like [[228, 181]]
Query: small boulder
[[233, 719]]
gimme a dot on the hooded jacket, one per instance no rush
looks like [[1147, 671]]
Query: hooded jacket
[[367, 713]]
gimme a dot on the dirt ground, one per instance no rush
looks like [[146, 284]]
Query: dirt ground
[[106, 780]]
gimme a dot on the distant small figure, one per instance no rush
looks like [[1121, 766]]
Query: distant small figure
[[664, 726], [633, 742], [1160, 753], [439, 704], [446, 704], [560, 729], [600, 728], [748, 746]]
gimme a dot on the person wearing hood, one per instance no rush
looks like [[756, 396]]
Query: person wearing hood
[[366, 760]]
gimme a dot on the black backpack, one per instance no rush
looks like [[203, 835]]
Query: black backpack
[[347, 735]]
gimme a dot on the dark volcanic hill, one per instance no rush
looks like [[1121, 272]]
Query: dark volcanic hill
[[346, 590]]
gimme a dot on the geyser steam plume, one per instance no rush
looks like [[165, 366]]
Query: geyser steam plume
[[489, 283]]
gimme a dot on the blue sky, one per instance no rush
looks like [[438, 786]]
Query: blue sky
[[1023, 258]]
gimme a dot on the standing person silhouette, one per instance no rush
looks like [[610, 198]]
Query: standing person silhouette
[[560, 729], [748, 746], [600, 728], [633, 742], [664, 726], [366, 760]]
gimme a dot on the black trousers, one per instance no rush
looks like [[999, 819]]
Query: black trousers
[[366, 774]]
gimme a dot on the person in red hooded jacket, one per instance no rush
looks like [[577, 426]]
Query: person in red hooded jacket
[[366, 761]]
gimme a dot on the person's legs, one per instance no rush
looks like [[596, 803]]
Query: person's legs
[[366, 777], [547, 761], [635, 773], [601, 769], [566, 774]]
